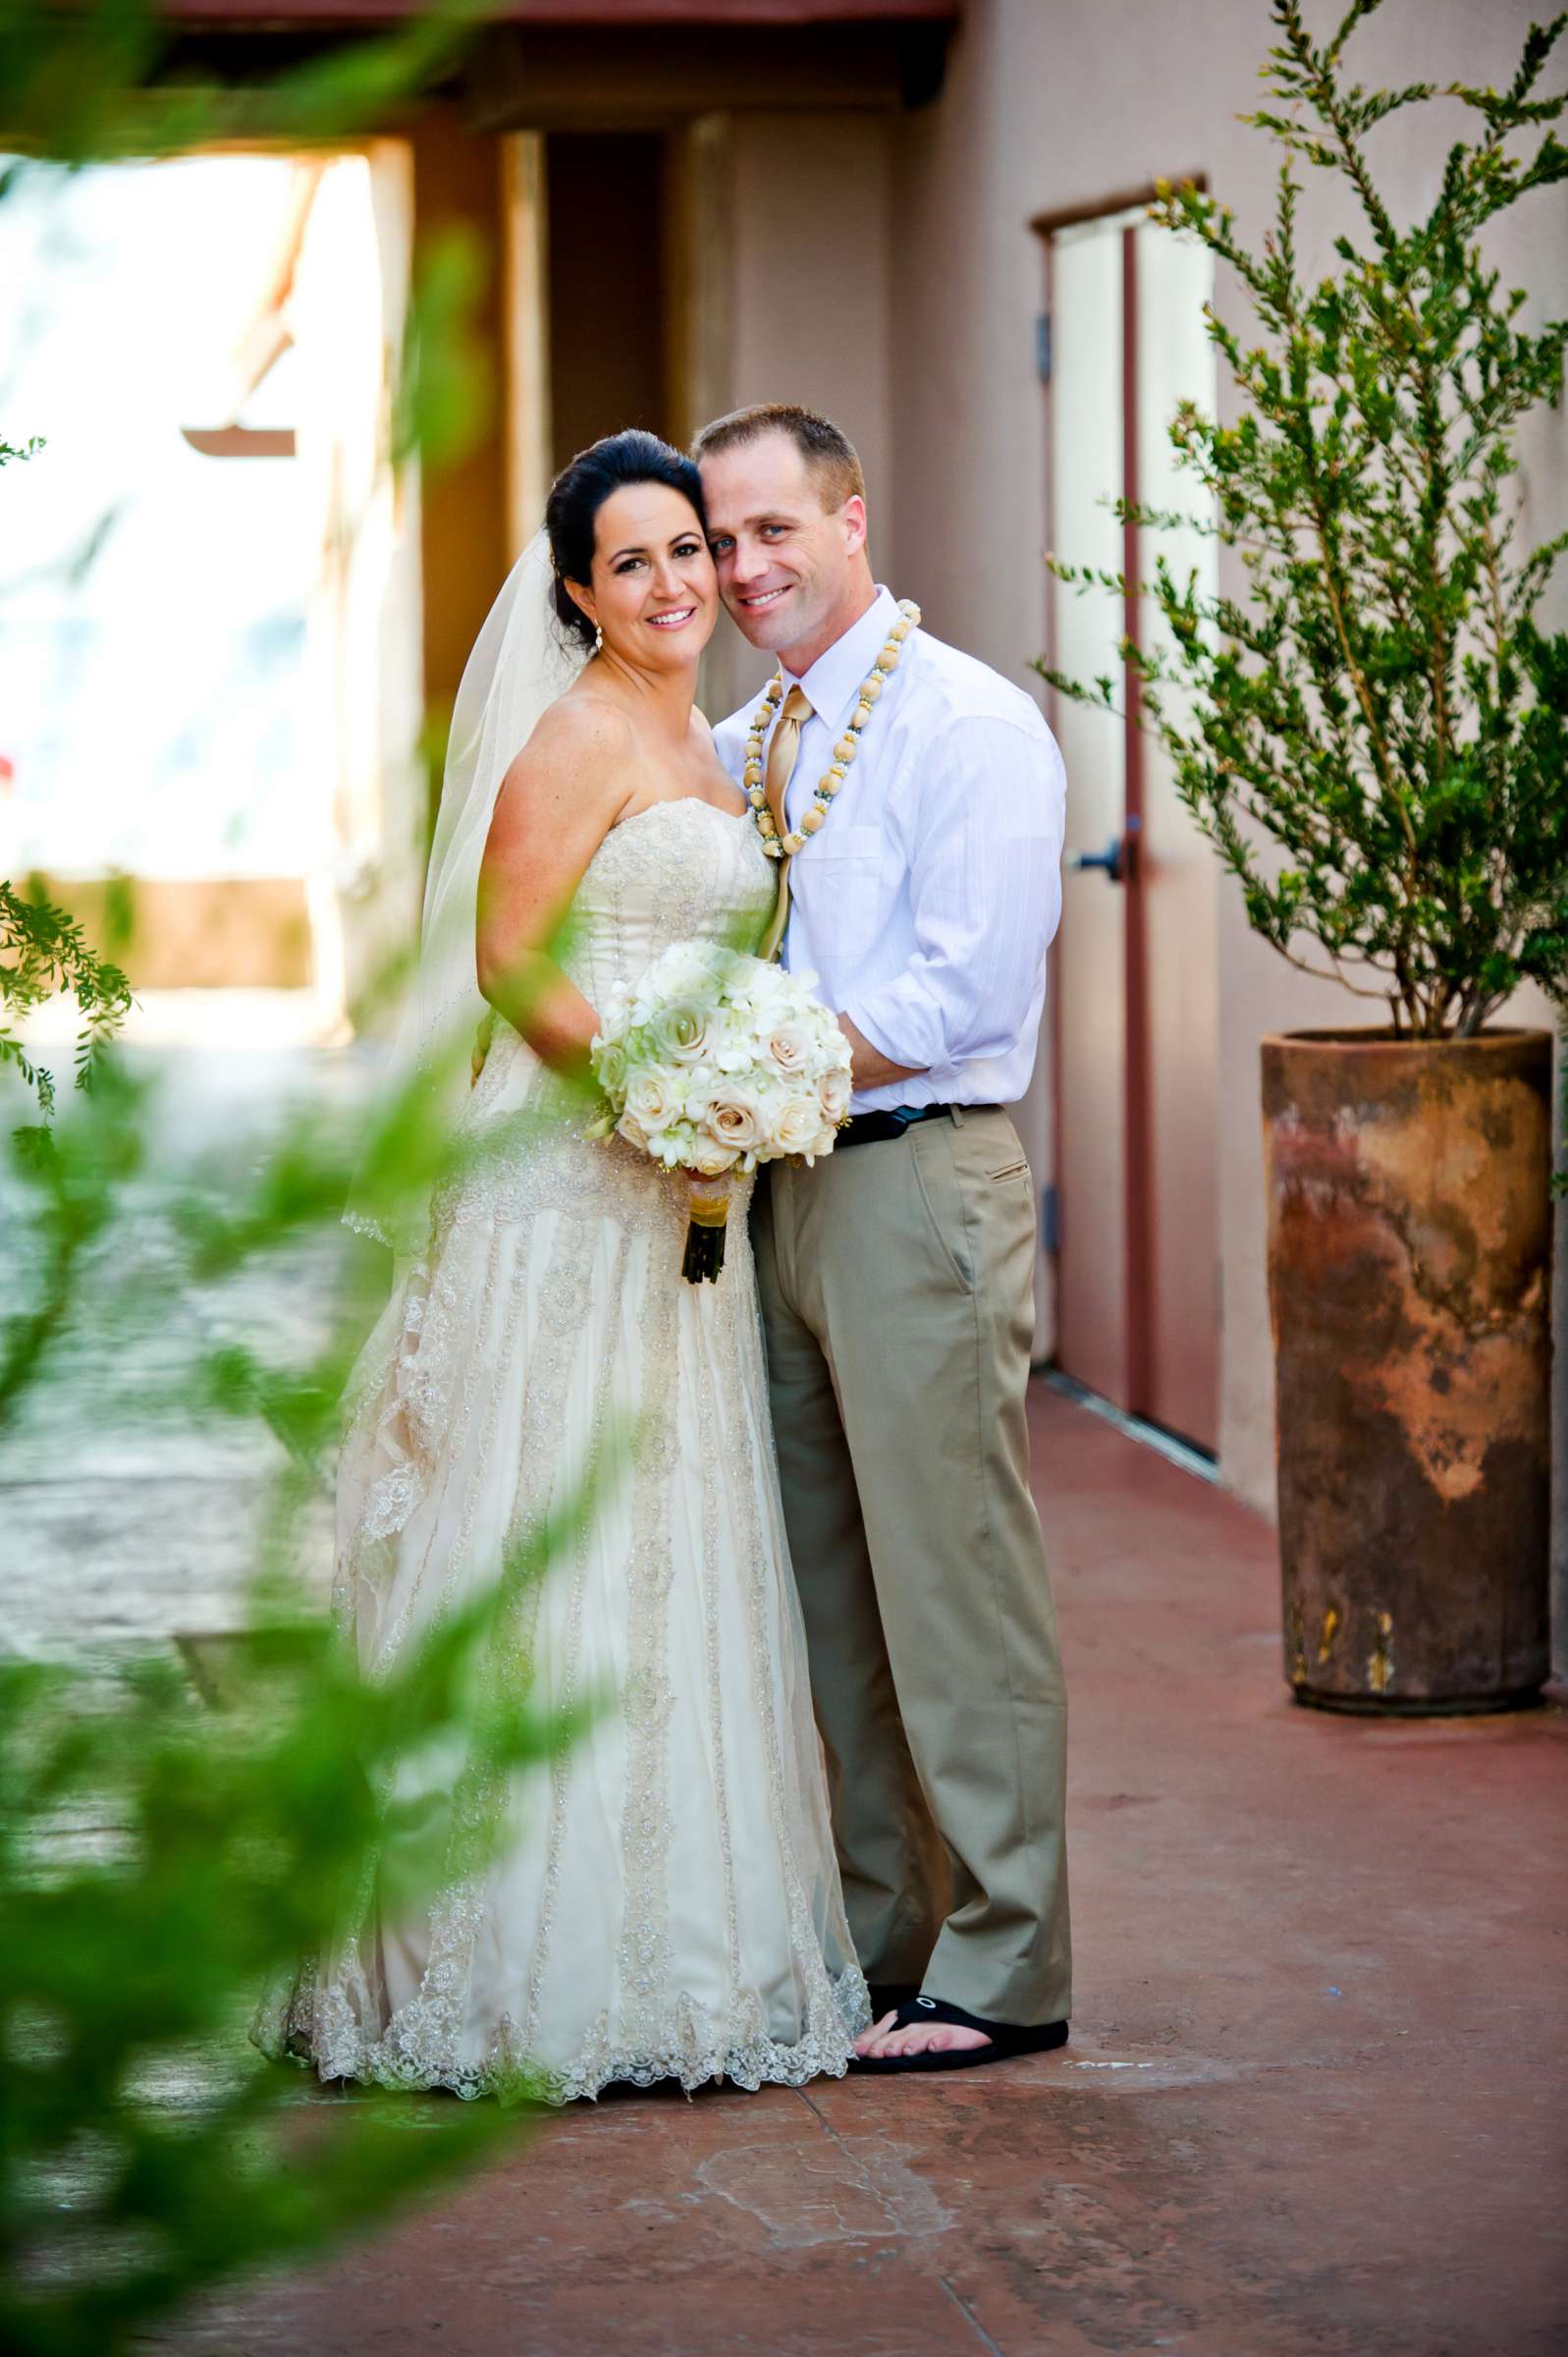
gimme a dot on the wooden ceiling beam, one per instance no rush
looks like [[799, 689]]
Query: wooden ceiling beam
[[529, 78]]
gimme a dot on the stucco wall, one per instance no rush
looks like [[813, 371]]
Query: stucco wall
[[1051, 106], [809, 230]]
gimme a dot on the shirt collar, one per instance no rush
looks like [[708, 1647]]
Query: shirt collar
[[833, 678]]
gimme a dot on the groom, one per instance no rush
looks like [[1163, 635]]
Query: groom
[[896, 1275]]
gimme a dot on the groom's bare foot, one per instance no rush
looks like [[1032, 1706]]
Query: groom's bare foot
[[884, 2038]]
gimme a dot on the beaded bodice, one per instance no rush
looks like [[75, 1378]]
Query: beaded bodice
[[681, 870], [675, 871]]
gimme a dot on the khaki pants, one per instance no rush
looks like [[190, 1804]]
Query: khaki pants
[[895, 1282]]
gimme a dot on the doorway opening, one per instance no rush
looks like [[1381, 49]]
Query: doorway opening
[[1135, 995], [210, 587], [609, 303]]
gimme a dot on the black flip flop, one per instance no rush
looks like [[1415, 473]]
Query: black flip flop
[[1006, 2040], [887, 1995]]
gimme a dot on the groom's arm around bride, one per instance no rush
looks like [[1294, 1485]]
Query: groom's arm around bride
[[922, 798]]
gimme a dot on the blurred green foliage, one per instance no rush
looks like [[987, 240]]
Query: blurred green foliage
[[105, 80], [444, 389], [179, 1828], [146, 2156]]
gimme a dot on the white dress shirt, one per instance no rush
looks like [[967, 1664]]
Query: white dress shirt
[[926, 901]]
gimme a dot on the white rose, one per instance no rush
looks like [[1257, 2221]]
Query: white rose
[[710, 1157], [797, 1125], [611, 1063], [789, 1048], [731, 1114], [833, 1091], [651, 1099], [680, 1031], [632, 1129]]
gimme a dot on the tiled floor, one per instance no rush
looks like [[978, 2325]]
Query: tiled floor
[[1314, 2098]]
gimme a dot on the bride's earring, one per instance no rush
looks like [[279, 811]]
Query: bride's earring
[[598, 637]]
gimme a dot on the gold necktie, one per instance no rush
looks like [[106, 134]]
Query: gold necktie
[[782, 747]]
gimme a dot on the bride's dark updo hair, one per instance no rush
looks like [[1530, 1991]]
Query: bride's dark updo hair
[[581, 490]]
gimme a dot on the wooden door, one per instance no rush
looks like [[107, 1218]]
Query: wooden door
[[1135, 1011]]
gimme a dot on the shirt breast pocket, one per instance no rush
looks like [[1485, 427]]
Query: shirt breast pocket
[[841, 873]]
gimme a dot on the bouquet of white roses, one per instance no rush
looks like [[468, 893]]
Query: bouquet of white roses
[[717, 1062]]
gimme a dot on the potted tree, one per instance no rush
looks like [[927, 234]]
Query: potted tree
[[1371, 733]]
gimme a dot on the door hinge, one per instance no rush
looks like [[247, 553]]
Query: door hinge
[[1043, 346], [1051, 1218]]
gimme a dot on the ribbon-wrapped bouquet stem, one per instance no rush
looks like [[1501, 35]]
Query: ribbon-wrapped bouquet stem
[[715, 1063]]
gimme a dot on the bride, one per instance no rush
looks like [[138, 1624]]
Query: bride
[[664, 1903]]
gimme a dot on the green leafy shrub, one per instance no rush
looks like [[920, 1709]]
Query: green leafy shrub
[[1374, 734], [42, 953]]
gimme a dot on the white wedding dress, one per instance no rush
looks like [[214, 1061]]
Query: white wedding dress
[[666, 1902]]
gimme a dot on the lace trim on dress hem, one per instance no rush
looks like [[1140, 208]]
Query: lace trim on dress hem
[[686, 2046]]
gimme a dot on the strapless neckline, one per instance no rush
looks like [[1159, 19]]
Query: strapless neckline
[[676, 801]]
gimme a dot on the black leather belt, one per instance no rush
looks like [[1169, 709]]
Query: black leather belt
[[869, 1128]]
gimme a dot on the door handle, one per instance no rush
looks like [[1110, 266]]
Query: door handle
[[1119, 858]]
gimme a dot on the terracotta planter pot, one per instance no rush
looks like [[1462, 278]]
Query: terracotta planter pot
[[1409, 1282]]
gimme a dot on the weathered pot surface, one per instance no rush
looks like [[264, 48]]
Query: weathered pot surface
[[1409, 1281]]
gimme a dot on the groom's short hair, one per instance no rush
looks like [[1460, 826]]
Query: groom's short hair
[[830, 458]]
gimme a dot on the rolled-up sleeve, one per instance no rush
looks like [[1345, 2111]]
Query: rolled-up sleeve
[[985, 889]]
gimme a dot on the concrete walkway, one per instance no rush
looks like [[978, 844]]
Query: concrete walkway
[[1314, 2098]]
